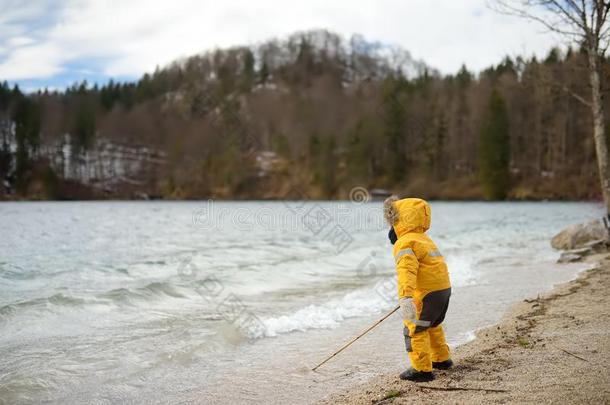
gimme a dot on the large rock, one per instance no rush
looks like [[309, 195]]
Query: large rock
[[577, 236]]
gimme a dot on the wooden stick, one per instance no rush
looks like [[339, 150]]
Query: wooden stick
[[459, 388], [572, 354], [345, 346]]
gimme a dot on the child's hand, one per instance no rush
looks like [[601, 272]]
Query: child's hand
[[407, 309]]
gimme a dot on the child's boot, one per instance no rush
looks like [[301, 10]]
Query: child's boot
[[442, 365], [412, 374]]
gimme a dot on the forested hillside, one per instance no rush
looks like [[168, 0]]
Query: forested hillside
[[311, 115]]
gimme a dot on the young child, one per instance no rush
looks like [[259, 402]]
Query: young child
[[423, 286]]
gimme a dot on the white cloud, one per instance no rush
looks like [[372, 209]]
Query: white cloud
[[131, 37], [36, 61], [19, 41]]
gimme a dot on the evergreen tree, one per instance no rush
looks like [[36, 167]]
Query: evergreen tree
[[434, 145], [27, 128], [440, 156], [463, 77], [324, 165], [127, 94], [554, 56], [5, 96], [248, 71], [494, 149], [263, 74], [144, 90], [5, 130], [359, 151], [84, 125], [304, 65], [395, 123]]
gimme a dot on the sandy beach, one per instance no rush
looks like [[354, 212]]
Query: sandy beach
[[547, 349]]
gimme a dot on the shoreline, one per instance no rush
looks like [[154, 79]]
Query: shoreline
[[544, 349]]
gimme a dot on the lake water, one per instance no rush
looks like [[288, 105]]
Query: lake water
[[233, 302]]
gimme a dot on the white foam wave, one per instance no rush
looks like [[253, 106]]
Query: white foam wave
[[461, 270], [362, 302]]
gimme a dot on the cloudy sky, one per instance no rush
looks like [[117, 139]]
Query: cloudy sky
[[57, 42]]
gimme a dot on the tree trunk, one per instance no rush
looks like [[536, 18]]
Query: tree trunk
[[599, 134]]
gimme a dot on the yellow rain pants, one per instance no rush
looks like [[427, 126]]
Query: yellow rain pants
[[425, 338]]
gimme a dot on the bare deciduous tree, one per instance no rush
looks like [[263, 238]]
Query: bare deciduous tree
[[586, 23]]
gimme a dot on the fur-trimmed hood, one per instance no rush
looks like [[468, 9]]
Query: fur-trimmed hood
[[407, 215]]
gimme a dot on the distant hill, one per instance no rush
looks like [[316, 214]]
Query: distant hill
[[311, 115]]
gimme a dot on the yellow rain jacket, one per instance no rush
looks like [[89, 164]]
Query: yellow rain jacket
[[419, 264], [422, 275]]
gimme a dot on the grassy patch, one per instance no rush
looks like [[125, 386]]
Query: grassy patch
[[523, 342], [391, 394]]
